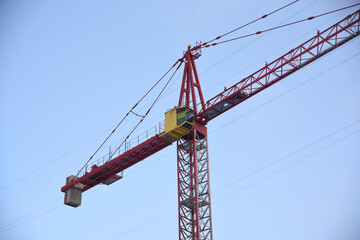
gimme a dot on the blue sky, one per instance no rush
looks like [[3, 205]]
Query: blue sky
[[70, 70]]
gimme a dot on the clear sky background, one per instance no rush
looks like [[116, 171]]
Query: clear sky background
[[70, 70]]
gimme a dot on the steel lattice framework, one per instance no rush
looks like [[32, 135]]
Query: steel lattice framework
[[193, 163], [194, 199], [297, 58], [194, 186]]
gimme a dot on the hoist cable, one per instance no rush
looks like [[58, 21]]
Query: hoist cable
[[281, 26], [135, 127], [127, 114], [152, 105], [236, 29]]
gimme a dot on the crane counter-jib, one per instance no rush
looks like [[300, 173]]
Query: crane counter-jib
[[102, 174], [178, 123]]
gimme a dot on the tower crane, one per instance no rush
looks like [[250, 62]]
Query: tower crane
[[186, 123]]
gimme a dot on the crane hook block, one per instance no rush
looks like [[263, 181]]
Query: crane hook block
[[178, 122], [74, 193]]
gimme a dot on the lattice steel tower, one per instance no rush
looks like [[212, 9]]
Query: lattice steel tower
[[193, 164]]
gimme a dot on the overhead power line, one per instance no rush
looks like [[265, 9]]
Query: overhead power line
[[289, 155], [246, 187], [54, 160], [290, 165], [7, 227], [14, 224]]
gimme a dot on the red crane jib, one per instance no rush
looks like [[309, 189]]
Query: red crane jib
[[324, 42]]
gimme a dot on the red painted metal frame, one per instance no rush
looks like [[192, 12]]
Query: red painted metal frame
[[321, 44], [193, 172], [101, 173], [195, 222], [188, 84]]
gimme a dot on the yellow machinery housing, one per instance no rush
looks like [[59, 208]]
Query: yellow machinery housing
[[178, 122]]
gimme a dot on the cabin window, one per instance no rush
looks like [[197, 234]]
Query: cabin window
[[181, 117]]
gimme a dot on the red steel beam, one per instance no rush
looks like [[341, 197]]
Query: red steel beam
[[316, 47], [188, 85], [99, 174]]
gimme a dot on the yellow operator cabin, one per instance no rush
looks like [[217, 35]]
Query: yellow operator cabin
[[178, 122]]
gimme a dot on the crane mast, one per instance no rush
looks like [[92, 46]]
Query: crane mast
[[186, 124], [194, 203]]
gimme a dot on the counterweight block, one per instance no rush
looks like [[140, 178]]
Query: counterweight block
[[73, 194]]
